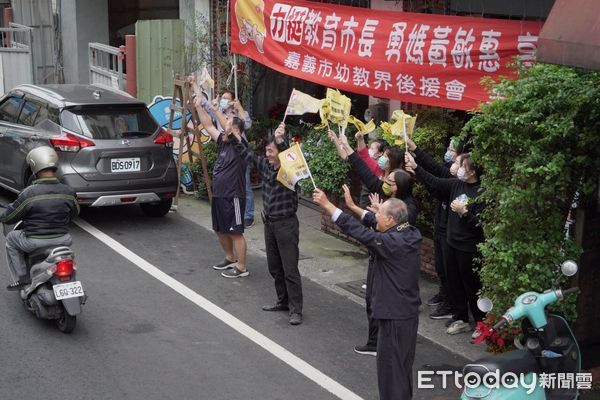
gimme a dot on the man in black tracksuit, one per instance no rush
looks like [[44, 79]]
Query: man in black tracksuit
[[46, 208], [396, 249]]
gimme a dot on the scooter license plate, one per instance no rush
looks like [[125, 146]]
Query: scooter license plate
[[68, 290]]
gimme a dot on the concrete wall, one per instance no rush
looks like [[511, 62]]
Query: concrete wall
[[82, 22]]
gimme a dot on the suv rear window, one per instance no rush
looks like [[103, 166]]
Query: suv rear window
[[109, 122]]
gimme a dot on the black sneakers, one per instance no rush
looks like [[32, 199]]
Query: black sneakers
[[367, 349], [276, 307], [436, 299], [235, 273], [225, 264], [443, 311]]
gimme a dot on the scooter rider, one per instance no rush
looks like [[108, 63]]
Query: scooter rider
[[46, 208]]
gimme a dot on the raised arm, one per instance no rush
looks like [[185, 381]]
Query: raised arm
[[440, 187], [241, 147], [206, 121], [339, 146], [219, 116], [367, 177], [349, 225], [243, 114], [356, 210], [427, 162]]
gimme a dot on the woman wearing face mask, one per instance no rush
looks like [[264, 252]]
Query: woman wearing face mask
[[370, 155], [463, 234], [391, 160]]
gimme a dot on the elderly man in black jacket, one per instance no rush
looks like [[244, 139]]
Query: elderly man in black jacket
[[396, 248], [46, 208]]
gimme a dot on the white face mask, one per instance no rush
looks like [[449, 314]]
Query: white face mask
[[224, 104], [460, 174], [373, 154]]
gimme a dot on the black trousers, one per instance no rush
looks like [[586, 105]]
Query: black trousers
[[281, 241], [463, 283], [373, 323], [395, 357], [440, 246]]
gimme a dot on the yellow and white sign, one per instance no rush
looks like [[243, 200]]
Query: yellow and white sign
[[339, 107], [301, 103], [293, 167], [363, 128], [403, 127]]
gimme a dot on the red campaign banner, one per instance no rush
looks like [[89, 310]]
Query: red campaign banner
[[428, 59]]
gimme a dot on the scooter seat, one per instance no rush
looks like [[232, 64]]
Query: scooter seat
[[38, 255], [517, 361]]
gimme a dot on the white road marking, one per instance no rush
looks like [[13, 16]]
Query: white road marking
[[278, 351]]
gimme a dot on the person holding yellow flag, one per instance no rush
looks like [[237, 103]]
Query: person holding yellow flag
[[282, 234]]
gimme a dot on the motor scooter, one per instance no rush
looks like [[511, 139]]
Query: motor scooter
[[53, 292], [549, 350]]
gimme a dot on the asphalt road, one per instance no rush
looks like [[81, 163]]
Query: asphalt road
[[138, 338]]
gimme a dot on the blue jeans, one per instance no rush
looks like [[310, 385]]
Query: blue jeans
[[249, 211]]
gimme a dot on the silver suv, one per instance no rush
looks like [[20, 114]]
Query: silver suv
[[111, 150]]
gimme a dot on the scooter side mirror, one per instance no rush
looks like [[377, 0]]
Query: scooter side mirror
[[485, 304], [569, 268]]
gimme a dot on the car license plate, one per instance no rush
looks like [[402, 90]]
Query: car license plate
[[125, 164], [67, 290]]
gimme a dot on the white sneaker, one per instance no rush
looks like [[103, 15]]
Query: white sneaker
[[459, 326]]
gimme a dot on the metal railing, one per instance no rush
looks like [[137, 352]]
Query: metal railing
[[16, 38], [16, 56], [106, 65]]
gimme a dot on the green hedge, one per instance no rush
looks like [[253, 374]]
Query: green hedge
[[538, 147]]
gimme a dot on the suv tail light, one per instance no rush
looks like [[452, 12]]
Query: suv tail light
[[64, 268], [164, 138], [70, 143]]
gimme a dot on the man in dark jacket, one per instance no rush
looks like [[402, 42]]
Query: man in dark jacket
[[396, 249], [46, 208]]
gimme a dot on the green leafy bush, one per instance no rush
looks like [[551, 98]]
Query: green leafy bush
[[210, 152], [329, 171], [538, 147]]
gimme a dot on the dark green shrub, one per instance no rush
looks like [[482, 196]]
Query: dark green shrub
[[210, 152], [538, 147]]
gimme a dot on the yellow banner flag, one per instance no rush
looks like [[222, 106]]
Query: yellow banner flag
[[361, 126], [293, 167], [324, 114], [339, 107], [301, 103], [386, 127], [405, 123]]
